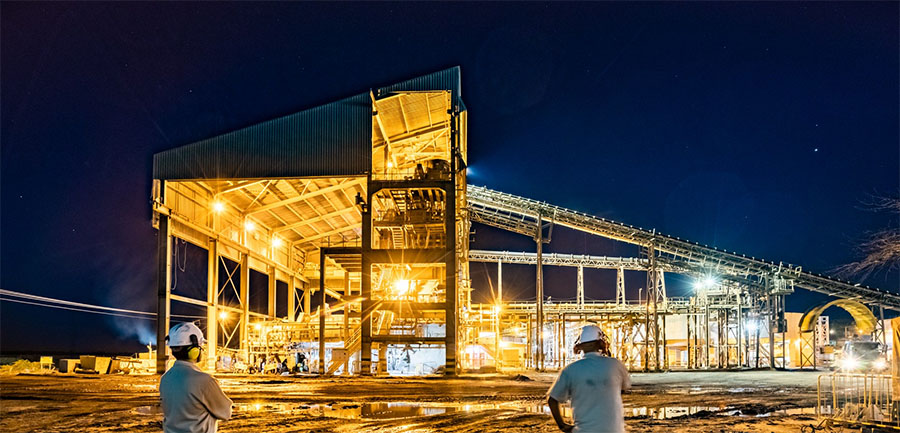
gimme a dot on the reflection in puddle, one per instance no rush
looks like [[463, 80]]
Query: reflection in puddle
[[668, 412], [392, 410], [395, 410]]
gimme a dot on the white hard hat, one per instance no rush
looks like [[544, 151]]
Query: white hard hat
[[185, 334], [591, 333]]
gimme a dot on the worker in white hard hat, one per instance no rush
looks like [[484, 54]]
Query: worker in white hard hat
[[191, 400], [594, 385]]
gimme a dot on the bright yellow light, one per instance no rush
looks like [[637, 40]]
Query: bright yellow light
[[497, 309], [223, 315], [257, 406], [249, 225], [257, 326], [390, 164], [401, 287], [277, 242], [218, 206]]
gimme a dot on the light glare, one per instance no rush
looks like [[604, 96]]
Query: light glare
[[401, 287]]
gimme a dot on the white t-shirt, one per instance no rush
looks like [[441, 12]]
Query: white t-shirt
[[594, 384], [191, 400]]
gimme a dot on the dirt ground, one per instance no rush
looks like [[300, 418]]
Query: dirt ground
[[749, 401]]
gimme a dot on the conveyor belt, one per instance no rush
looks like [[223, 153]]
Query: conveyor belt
[[520, 215]]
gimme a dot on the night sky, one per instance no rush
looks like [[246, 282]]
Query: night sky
[[759, 128]]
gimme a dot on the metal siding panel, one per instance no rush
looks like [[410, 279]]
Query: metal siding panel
[[329, 140]]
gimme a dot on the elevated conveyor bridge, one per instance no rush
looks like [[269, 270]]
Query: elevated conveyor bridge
[[523, 215]]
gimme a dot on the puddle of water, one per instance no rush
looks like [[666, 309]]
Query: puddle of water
[[668, 412], [392, 410], [148, 410], [396, 410]]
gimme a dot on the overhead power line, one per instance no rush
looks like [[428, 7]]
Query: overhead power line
[[43, 301]]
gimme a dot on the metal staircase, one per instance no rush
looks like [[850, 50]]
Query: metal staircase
[[521, 215], [352, 346]]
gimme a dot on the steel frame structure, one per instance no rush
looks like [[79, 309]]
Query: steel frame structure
[[371, 257], [332, 240]]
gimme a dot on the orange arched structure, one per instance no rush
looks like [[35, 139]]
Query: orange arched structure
[[865, 320]]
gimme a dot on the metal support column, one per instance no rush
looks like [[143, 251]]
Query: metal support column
[[163, 275], [272, 294], [740, 331], [307, 299], [346, 331], [580, 287], [323, 310], [245, 307], [498, 311], [565, 350], [212, 304], [770, 306], [620, 287], [706, 342], [365, 281], [539, 295], [451, 281], [292, 299], [651, 321]]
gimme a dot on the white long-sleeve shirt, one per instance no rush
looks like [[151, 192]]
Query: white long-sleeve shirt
[[191, 400]]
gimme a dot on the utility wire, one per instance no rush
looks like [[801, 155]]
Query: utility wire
[[74, 304], [76, 309], [87, 308]]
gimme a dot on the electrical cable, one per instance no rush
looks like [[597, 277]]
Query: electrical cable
[[83, 307], [74, 304], [76, 309]]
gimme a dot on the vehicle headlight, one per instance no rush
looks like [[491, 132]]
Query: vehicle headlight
[[879, 364], [850, 364]]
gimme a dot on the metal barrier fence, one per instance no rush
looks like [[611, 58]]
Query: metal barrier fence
[[858, 399]]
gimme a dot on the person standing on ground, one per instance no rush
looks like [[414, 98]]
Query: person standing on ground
[[594, 384], [191, 400]]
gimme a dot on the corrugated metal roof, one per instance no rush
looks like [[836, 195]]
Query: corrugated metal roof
[[330, 140]]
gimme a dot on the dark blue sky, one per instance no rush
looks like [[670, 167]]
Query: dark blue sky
[[756, 127]]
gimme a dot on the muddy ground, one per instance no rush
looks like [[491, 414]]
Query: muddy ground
[[749, 401]]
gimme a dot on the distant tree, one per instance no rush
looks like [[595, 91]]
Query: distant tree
[[880, 250]]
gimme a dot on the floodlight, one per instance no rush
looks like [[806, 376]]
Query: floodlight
[[401, 287], [218, 207], [223, 315], [705, 283], [751, 326], [249, 225], [277, 242]]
